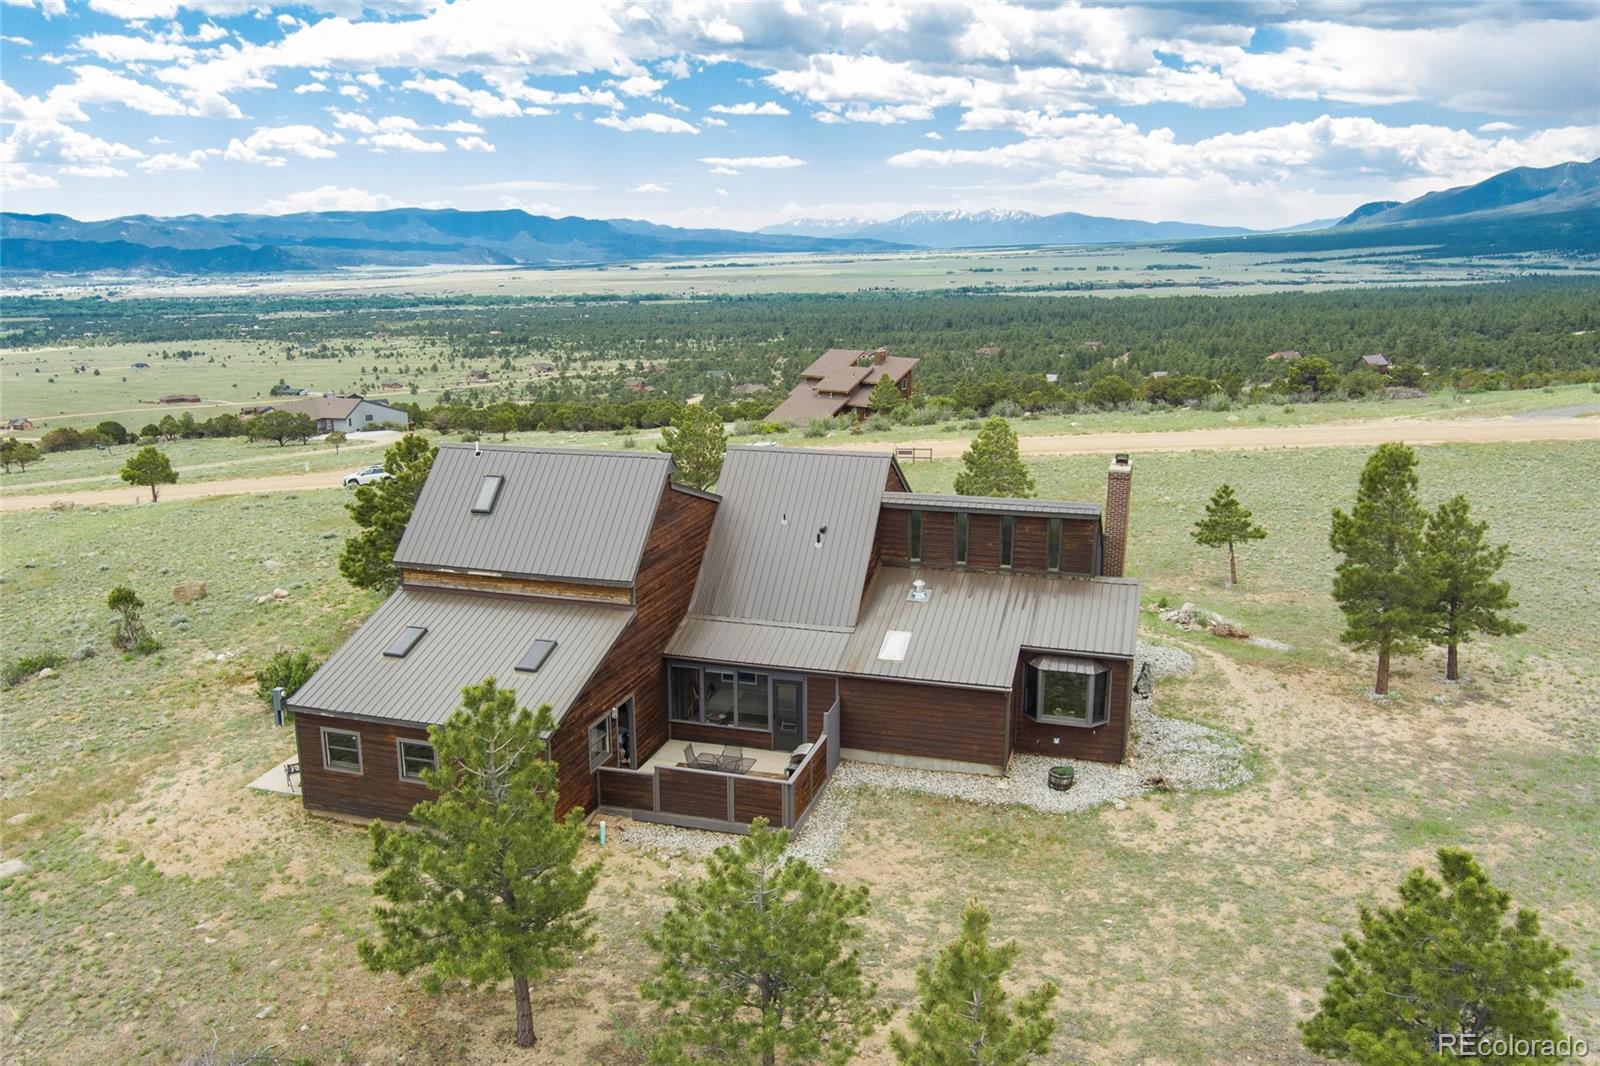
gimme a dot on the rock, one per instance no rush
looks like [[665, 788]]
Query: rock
[[327, 536], [85, 652], [271, 564], [280, 594], [265, 1012], [188, 591], [46, 672], [19, 819], [12, 868], [62, 505], [1219, 628], [1183, 617]]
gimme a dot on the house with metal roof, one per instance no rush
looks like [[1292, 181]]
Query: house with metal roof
[[840, 382], [709, 658], [347, 414]]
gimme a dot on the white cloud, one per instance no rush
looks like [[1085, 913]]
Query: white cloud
[[270, 146], [11, 38], [932, 135], [354, 92], [750, 107], [481, 103], [15, 177], [332, 198], [639, 85], [1498, 127], [120, 48], [310, 87], [721, 192], [349, 120], [402, 141], [94, 170], [474, 144], [651, 122], [50, 9], [650, 186], [371, 79], [755, 162], [712, 123], [177, 160], [460, 126], [723, 169], [526, 185]]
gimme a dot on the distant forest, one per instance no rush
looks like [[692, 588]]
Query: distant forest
[[1516, 332]]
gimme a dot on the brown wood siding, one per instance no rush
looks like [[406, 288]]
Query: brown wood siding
[[1077, 546], [635, 666], [757, 797], [896, 483], [1101, 743], [701, 733], [808, 783], [938, 538], [632, 789], [819, 698], [378, 791], [925, 721], [699, 795], [1030, 545], [983, 541], [516, 586], [893, 543]]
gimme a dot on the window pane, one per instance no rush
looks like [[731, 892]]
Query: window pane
[[961, 537], [719, 697], [402, 645], [1008, 536], [599, 741], [686, 693], [342, 751], [1063, 695], [916, 536], [1053, 560], [415, 757], [753, 704], [1102, 697], [488, 492]]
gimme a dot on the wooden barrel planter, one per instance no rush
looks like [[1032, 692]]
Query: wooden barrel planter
[[1061, 778]]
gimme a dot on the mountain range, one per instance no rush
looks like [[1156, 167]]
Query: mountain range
[[1526, 209]]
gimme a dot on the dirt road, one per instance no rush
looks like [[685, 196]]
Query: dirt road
[[1359, 434]]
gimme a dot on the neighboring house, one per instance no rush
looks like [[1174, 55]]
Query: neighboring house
[[285, 389], [989, 349], [815, 608], [347, 413], [391, 386], [840, 382], [748, 388], [1376, 362], [477, 376], [1159, 374], [20, 424], [1288, 355], [179, 397], [638, 385], [539, 368]]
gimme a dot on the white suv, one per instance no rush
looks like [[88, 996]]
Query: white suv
[[367, 476]]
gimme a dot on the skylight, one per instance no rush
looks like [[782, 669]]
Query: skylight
[[405, 642], [488, 492], [536, 656], [895, 642]]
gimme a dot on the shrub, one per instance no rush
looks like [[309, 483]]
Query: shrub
[[879, 424], [1005, 409], [129, 630], [817, 427], [1216, 401], [19, 670], [1110, 391], [288, 670]]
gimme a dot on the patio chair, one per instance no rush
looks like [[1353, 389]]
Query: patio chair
[[733, 761], [699, 762]]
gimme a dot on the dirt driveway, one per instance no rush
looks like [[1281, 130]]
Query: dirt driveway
[[1358, 434]]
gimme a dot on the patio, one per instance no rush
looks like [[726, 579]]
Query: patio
[[767, 763]]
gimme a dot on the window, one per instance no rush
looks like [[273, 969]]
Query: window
[[1061, 691], [488, 492], [405, 642], [1053, 548], [720, 697], [961, 538], [915, 553], [893, 648], [536, 656], [754, 711], [415, 757], [600, 741], [341, 750], [1008, 538], [685, 693]]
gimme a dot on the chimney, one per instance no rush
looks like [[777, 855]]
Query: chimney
[[879, 355], [1114, 525]]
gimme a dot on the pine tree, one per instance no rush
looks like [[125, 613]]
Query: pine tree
[[149, 466], [1226, 521], [1380, 585], [758, 956], [382, 509], [337, 439], [993, 465], [697, 441], [886, 395], [1463, 597], [486, 886], [963, 1017], [1442, 966]]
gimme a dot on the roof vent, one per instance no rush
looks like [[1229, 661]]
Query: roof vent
[[477, 449], [919, 591], [820, 531]]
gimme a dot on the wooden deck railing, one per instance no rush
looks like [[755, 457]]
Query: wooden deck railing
[[711, 799]]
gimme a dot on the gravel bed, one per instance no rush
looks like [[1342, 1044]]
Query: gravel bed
[[1179, 755]]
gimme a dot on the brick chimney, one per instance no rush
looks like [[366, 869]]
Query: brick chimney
[[879, 355], [1114, 524]]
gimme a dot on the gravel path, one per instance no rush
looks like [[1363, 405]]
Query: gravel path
[[1166, 753]]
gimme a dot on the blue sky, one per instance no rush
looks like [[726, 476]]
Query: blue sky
[[742, 115]]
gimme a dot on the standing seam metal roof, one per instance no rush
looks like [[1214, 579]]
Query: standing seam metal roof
[[562, 513], [761, 561], [470, 636]]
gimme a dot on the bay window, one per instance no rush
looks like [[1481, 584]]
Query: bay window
[[1060, 690]]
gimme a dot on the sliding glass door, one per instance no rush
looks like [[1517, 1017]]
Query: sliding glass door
[[740, 699]]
